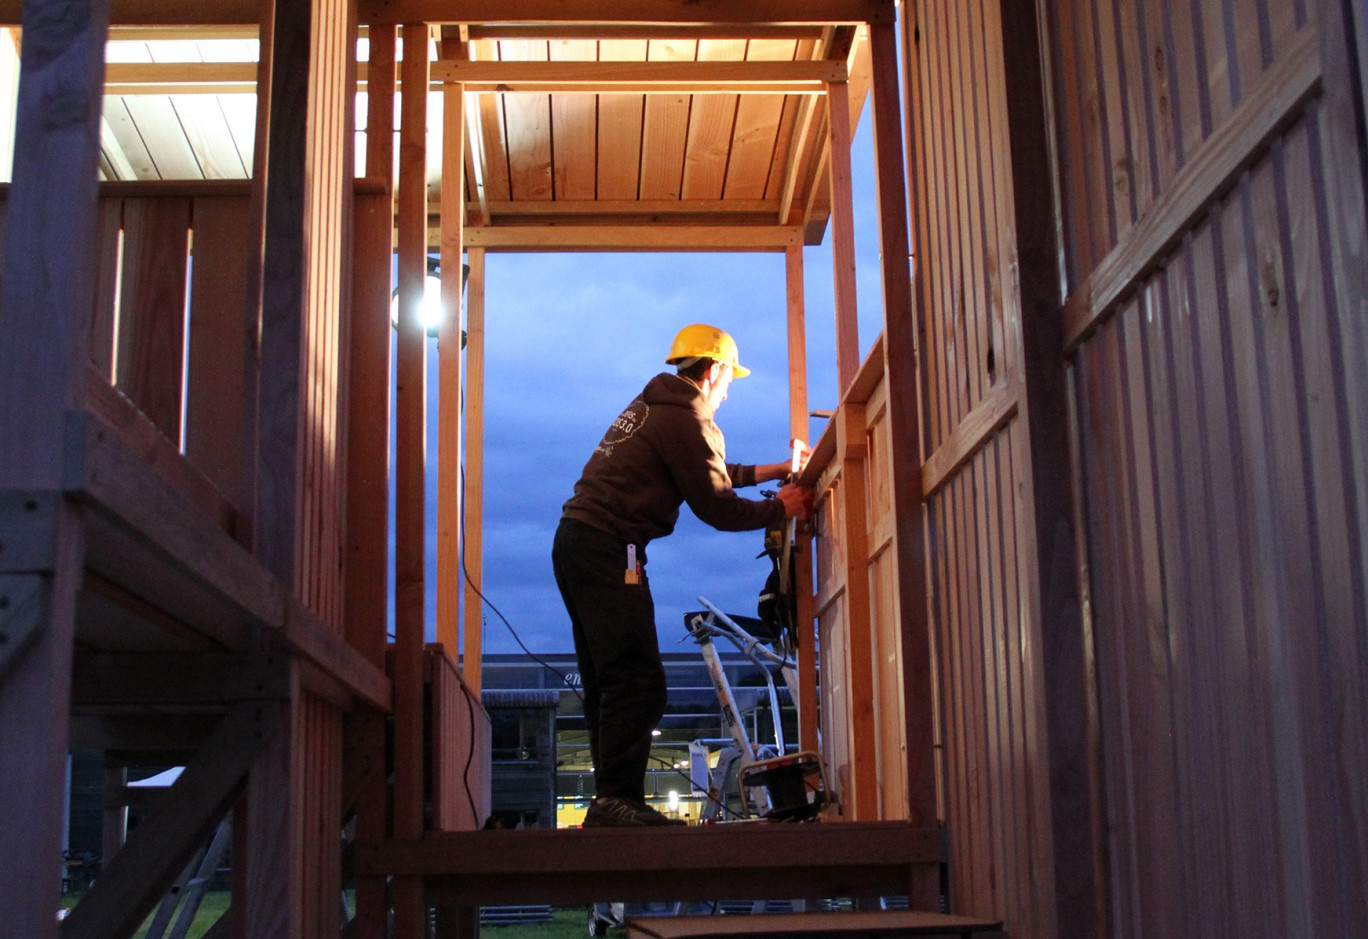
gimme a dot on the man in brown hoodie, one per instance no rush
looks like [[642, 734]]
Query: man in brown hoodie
[[663, 450]]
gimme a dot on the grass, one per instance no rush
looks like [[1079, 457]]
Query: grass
[[565, 923]]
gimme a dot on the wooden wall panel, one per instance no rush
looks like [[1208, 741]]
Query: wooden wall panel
[[985, 680], [980, 465], [1219, 392], [460, 745], [216, 396], [151, 320]]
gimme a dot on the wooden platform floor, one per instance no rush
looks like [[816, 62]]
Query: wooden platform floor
[[780, 925], [716, 862]]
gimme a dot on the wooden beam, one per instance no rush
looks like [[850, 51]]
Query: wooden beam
[[801, 588], [699, 12], [369, 349], [977, 428], [176, 679], [170, 78], [646, 31], [603, 208], [635, 238], [644, 77], [843, 237], [410, 513], [473, 556], [449, 349], [1064, 711], [712, 862], [860, 803], [46, 294], [156, 851], [904, 423]]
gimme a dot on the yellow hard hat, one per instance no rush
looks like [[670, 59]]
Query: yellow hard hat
[[708, 342]]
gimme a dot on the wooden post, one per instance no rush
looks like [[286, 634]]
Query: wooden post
[[368, 445], [900, 370], [44, 320], [410, 516], [860, 803], [449, 581], [843, 236], [293, 790], [798, 428], [474, 480]]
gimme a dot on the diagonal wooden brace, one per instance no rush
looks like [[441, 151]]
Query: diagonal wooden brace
[[157, 850]]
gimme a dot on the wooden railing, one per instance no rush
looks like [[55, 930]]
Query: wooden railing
[[169, 332]]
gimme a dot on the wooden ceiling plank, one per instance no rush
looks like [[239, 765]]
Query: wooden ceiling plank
[[620, 121], [758, 119], [712, 119], [239, 111], [574, 154], [693, 12], [665, 127], [490, 124], [527, 128], [132, 156], [154, 117], [210, 137]]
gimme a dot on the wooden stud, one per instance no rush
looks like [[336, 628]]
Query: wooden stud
[[636, 238], [449, 393], [368, 424], [473, 559], [842, 236], [653, 77], [635, 11], [410, 524], [901, 376], [50, 227], [860, 800], [801, 587], [1062, 707]]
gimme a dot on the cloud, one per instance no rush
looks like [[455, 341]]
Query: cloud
[[570, 340]]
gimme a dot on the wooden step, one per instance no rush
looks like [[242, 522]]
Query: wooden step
[[714, 862], [780, 925]]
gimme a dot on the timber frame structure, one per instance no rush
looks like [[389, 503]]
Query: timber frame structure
[[1090, 591]]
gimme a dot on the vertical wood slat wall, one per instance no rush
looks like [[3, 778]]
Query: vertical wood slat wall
[[983, 591], [177, 322], [864, 726], [1214, 221], [301, 490]]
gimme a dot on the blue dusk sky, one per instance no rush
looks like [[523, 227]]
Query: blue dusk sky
[[570, 340]]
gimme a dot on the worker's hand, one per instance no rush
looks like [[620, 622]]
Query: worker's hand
[[797, 500]]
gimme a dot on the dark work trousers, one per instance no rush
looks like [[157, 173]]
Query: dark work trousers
[[615, 642]]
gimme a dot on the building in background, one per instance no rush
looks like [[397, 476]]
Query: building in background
[[520, 694]]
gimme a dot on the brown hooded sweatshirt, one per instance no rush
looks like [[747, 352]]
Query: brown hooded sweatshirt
[[663, 450]]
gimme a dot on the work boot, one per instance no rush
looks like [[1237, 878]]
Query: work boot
[[617, 812]]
